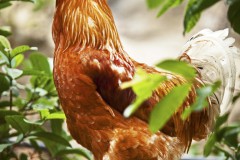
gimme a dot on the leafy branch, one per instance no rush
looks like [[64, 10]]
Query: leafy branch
[[38, 96], [194, 9]]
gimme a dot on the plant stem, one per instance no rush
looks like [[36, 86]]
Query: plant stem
[[11, 95], [11, 83], [225, 152]]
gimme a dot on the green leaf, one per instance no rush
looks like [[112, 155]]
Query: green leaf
[[4, 113], [179, 67], [225, 152], [17, 60], [2, 62], [51, 137], [232, 140], [32, 72], [143, 85], [81, 152], [5, 31], [229, 130], [221, 120], [3, 57], [4, 4], [37, 123], [209, 145], [201, 101], [44, 113], [154, 3], [57, 126], [5, 43], [23, 157], [58, 115], [19, 102], [4, 130], [190, 19], [163, 111], [234, 14], [18, 123], [20, 50], [4, 146], [44, 103], [5, 84], [190, 22], [14, 73], [193, 12], [40, 62], [168, 4], [235, 98]]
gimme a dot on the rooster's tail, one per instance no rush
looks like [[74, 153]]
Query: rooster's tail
[[215, 57]]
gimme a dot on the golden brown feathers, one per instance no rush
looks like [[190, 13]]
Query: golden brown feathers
[[89, 66]]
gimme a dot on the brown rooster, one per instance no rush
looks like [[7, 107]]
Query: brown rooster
[[90, 64]]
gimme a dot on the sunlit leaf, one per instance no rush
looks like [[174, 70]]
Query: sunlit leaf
[[17, 60], [178, 67], [201, 101], [20, 50], [5, 43], [143, 84], [57, 115], [44, 113], [167, 106]]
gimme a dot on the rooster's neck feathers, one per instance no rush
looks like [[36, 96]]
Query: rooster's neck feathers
[[86, 23]]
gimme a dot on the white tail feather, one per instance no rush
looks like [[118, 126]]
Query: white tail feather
[[214, 55]]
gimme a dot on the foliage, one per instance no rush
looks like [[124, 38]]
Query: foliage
[[194, 9], [27, 109], [224, 139], [144, 84], [38, 3]]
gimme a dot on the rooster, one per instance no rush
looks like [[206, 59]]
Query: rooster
[[90, 65]]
